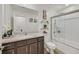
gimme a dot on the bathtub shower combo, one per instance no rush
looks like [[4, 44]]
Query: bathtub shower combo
[[65, 32]]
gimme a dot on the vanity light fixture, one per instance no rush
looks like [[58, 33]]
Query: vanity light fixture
[[66, 4], [34, 20], [30, 19]]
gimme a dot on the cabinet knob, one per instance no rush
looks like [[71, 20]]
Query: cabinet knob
[[12, 52], [2, 47]]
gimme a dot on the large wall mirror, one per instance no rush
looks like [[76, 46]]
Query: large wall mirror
[[22, 25]]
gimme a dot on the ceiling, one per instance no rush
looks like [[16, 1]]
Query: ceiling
[[51, 8], [48, 7]]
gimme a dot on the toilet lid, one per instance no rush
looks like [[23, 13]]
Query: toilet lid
[[51, 45]]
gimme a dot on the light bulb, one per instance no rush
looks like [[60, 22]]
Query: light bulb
[[66, 4]]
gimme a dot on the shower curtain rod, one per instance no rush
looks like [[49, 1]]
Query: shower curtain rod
[[72, 18], [65, 13]]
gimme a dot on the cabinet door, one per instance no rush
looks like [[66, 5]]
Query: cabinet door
[[40, 47], [33, 48], [11, 51], [22, 50]]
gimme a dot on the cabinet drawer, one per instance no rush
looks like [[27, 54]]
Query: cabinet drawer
[[29, 41], [11, 51], [21, 43], [41, 39], [8, 46]]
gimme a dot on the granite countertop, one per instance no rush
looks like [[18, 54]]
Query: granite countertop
[[21, 37]]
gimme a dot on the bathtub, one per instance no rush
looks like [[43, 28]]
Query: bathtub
[[67, 47]]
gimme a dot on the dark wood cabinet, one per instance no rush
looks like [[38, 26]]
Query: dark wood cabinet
[[40, 45], [8, 48], [33, 48], [11, 51], [40, 48], [21, 50], [28, 46]]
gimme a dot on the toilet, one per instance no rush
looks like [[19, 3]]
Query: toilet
[[50, 47]]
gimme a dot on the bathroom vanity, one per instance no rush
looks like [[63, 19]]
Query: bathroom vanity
[[24, 44]]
